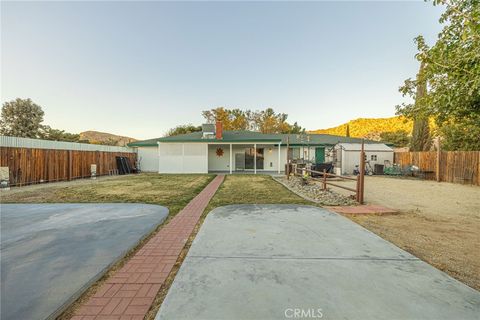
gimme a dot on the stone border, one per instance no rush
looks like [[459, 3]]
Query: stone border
[[296, 192]]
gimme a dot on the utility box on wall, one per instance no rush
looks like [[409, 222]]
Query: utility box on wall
[[4, 178], [93, 171]]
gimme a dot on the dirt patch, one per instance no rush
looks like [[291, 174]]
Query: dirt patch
[[430, 198], [438, 222]]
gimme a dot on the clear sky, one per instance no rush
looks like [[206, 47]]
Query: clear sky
[[138, 69]]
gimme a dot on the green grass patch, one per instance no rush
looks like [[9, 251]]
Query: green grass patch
[[253, 189]]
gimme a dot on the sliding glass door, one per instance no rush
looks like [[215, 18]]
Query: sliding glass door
[[250, 158]]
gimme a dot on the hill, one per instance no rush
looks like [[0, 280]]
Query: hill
[[97, 137], [369, 127]]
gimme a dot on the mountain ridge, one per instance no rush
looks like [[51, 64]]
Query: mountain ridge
[[105, 138], [369, 128]]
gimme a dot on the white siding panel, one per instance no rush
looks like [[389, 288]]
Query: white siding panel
[[183, 158], [171, 158], [195, 159], [271, 158], [148, 159]]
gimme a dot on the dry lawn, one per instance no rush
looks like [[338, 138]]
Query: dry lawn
[[171, 191], [253, 189], [437, 222]]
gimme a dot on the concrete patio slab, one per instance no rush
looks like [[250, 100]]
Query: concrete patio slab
[[50, 253], [290, 231], [272, 261]]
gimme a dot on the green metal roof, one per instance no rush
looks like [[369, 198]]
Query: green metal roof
[[253, 137]]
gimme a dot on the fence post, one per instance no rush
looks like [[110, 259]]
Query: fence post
[[357, 194], [287, 170], [362, 173], [324, 179], [439, 154], [70, 161]]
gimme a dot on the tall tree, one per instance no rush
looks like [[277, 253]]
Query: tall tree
[[219, 114], [398, 138], [421, 132], [48, 133], [347, 133], [182, 129], [265, 121], [452, 74], [295, 128], [21, 118]]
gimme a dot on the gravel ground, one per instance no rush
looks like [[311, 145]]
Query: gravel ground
[[313, 191], [438, 222]]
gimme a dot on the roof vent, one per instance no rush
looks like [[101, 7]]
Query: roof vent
[[208, 131]]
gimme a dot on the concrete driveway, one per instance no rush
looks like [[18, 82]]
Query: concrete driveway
[[292, 262], [50, 253]]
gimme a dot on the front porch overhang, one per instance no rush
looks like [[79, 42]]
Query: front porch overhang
[[248, 144]]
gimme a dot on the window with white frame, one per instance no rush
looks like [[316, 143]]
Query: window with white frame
[[373, 157]]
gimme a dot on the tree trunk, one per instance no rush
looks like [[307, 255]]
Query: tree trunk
[[421, 130]]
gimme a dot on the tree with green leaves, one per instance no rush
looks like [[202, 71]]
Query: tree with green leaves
[[452, 75], [48, 133], [182, 129], [265, 121], [21, 118], [399, 138]]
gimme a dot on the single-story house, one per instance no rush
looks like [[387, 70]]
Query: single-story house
[[216, 150]]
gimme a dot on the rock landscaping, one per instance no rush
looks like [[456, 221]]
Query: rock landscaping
[[312, 191]]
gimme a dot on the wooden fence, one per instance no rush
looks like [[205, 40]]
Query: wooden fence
[[358, 190], [30, 165], [452, 166]]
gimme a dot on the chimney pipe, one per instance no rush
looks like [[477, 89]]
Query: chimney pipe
[[218, 130]]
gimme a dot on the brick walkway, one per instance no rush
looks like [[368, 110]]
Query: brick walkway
[[129, 293]]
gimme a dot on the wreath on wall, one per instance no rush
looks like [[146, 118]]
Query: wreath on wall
[[219, 152]]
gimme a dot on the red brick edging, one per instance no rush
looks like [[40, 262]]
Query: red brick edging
[[130, 292]]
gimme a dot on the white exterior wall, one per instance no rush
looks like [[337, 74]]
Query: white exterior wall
[[195, 158], [216, 163], [148, 159], [352, 158], [183, 158], [272, 157]]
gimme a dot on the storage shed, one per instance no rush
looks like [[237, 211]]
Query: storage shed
[[347, 156]]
